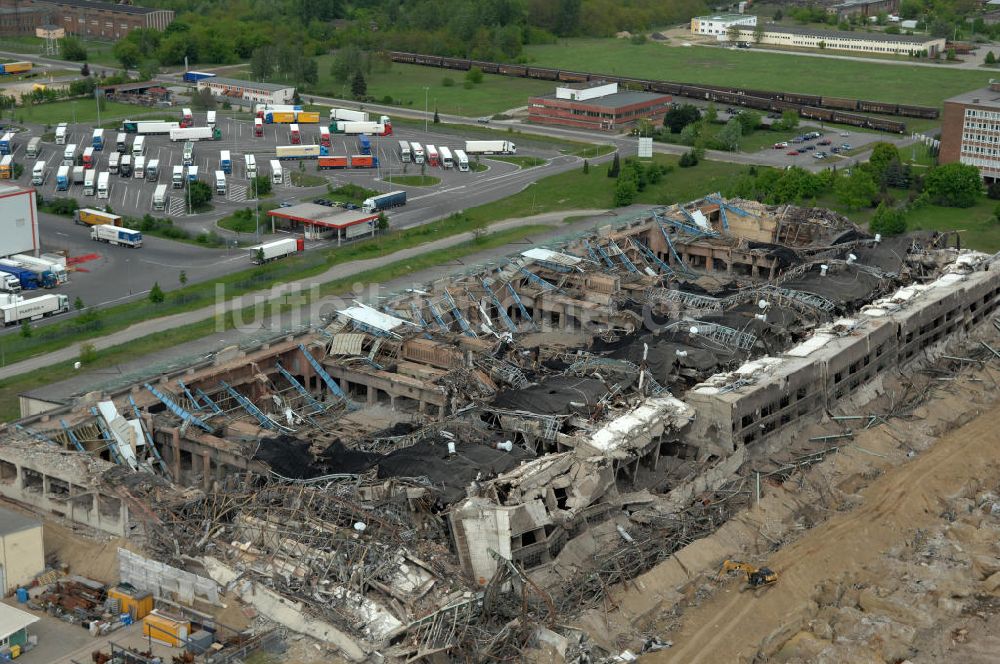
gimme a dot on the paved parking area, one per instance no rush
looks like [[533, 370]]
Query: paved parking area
[[134, 195]]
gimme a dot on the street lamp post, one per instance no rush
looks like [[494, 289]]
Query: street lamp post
[[425, 107]]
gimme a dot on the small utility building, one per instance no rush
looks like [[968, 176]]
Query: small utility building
[[22, 556], [264, 93], [597, 105], [14, 627], [319, 222]]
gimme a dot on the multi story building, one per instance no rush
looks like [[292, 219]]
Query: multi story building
[[718, 25], [971, 131], [267, 93], [863, 8], [837, 40], [87, 18], [21, 20], [597, 105]]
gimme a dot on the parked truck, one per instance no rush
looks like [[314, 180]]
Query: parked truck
[[192, 173], [187, 158], [121, 141], [30, 277], [279, 117], [373, 128], [258, 127], [62, 178], [97, 140], [7, 143], [149, 127], [331, 162], [433, 157], [160, 197], [187, 118], [153, 170], [363, 161], [324, 136], [293, 134], [404, 151], [92, 217], [210, 119], [347, 115], [22, 67], [277, 176], [103, 184], [88, 157], [288, 152], [61, 132], [114, 159], [34, 309], [40, 264], [9, 283], [384, 201], [79, 174], [251, 165], [123, 237], [195, 134], [307, 117], [490, 147], [364, 144], [6, 167], [447, 161], [225, 162], [69, 155], [270, 251], [38, 173], [417, 151], [34, 147], [90, 182], [139, 170], [125, 166], [261, 109], [139, 146], [220, 183]]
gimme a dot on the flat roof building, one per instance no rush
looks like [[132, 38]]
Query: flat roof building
[[267, 93], [597, 105], [22, 557], [970, 132], [718, 24], [838, 40], [91, 18], [319, 222], [18, 220], [863, 8], [14, 626]]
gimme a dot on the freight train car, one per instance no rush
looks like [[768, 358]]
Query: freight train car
[[918, 111], [543, 73], [840, 103]]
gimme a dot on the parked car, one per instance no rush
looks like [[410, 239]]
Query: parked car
[[798, 139], [285, 204], [835, 150], [825, 141], [819, 155], [807, 147], [780, 146], [845, 133], [793, 153], [351, 206], [845, 146], [484, 120]]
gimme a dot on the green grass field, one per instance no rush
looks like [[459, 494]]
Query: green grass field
[[761, 70], [98, 52], [523, 162], [85, 111], [414, 180]]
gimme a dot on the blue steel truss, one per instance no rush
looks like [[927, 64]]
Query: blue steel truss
[[629, 265], [177, 410], [317, 406], [500, 308], [72, 436], [651, 256], [322, 373], [149, 438], [520, 305], [249, 406], [456, 312], [208, 401], [108, 438]]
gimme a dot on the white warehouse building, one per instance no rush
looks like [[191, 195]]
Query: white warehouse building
[[18, 221], [264, 93], [865, 42], [718, 25]]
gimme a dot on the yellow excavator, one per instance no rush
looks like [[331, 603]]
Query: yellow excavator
[[757, 577]]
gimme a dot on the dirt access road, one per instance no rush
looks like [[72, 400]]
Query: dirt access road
[[730, 626]]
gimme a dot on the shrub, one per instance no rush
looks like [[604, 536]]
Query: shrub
[[888, 220], [688, 159], [448, 82], [993, 190]]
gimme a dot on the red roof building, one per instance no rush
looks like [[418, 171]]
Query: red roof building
[[597, 105]]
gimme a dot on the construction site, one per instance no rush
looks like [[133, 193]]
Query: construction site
[[549, 457]]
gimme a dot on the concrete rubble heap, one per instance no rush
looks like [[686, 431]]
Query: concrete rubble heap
[[472, 464]]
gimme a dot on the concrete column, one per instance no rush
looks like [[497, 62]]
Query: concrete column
[[371, 398], [175, 451], [422, 407], [392, 401], [18, 478], [45, 485], [206, 474]]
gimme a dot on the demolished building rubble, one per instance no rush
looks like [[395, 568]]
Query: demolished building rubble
[[487, 453]]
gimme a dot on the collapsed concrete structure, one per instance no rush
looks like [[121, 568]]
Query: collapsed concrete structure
[[470, 459]]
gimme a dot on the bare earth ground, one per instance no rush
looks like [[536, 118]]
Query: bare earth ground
[[888, 551]]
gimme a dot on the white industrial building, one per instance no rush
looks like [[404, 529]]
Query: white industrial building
[[18, 221], [265, 93], [835, 40], [718, 25], [22, 556]]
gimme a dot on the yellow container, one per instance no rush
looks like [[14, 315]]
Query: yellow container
[[15, 652], [165, 629], [282, 117], [136, 603], [306, 117]]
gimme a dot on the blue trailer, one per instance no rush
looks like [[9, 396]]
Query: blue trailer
[[364, 144], [98, 139], [30, 280], [384, 201], [6, 143], [195, 76]]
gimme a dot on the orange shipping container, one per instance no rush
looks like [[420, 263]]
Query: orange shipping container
[[165, 629], [332, 162], [306, 117], [361, 161], [134, 602]]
